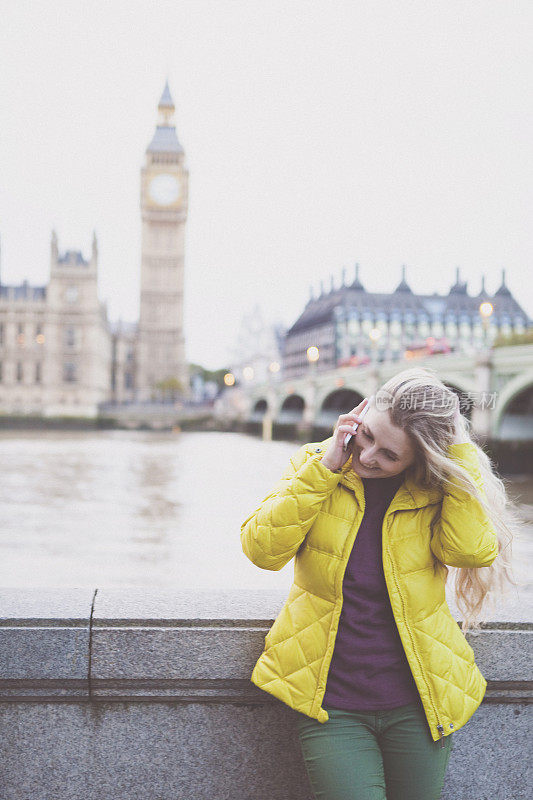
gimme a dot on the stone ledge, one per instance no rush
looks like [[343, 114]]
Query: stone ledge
[[131, 645], [148, 695]]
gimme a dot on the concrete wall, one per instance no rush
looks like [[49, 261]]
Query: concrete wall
[[136, 695]]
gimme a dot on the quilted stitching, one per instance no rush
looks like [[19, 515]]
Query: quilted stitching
[[324, 552], [309, 497], [295, 636]]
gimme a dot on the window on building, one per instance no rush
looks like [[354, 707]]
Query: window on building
[[69, 335], [1, 333], [71, 294], [19, 371], [39, 335], [69, 372], [38, 372], [1, 371], [128, 380]]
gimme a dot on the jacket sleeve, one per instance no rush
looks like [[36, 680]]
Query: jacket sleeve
[[463, 535], [271, 535]]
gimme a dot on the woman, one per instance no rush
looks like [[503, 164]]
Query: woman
[[365, 648]]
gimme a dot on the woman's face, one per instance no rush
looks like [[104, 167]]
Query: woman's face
[[380, 449]]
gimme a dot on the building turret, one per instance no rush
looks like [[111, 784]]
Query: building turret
[[483, 291], [503, 290], [403, 286], [165, 139], [166, 105], [94, 251], [54, 250], [357, 285], [458, 287]]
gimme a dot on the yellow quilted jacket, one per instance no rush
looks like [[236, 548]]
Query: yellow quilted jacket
[[314, 514]]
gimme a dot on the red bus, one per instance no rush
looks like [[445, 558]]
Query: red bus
[[427, 347]]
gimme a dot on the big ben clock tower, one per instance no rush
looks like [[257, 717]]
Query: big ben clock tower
[[164, 190]]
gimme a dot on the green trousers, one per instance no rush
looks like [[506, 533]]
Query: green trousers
[[383, 755]]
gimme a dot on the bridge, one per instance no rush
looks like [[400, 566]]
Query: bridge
[[495, 388], [155, 416]]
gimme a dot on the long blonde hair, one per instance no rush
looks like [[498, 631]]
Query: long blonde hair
[[420, 404]]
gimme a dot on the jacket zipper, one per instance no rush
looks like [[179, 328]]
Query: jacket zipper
[[326, 669], [440, 728], [441, 731]]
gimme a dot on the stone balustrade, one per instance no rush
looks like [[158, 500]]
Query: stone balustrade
[[145, 695]]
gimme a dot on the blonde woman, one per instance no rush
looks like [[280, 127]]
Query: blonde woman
[[365, 649]]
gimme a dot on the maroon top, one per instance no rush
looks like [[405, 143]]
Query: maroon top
[[369, 670]]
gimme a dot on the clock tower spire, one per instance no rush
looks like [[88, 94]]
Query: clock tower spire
[[162, 369], [166, 105]]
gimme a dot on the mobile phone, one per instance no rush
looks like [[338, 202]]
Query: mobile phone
[[348, 436]]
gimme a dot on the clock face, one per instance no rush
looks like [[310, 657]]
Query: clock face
[[71, 294], [164, 189]]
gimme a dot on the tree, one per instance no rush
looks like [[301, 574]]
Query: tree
[[514, 338], [170, 388], [216, 375]]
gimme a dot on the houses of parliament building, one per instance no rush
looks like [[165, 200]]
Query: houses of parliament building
[[59, 353]]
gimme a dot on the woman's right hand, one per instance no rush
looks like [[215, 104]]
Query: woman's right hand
[[335, 456]]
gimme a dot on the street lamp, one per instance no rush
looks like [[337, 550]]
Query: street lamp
[[229, 379], [248, 374], [486, 309], [313, 354], [268, 417], [483, 374], [374, 335]]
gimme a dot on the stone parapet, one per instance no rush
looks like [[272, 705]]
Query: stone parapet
[[147, 694]]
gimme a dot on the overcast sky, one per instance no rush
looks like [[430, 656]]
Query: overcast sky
[[317, 134]]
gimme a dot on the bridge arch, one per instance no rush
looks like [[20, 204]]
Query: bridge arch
[[337, 402], [259, 409], [515, 400], [292, 409]]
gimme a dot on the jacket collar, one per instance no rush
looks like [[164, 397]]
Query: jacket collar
[[408, 496]]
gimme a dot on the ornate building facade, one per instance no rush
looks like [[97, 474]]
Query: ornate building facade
[[352, 326], [59, 353], [55, 343]]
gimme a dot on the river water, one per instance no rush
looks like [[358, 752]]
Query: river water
[[143, 509]]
